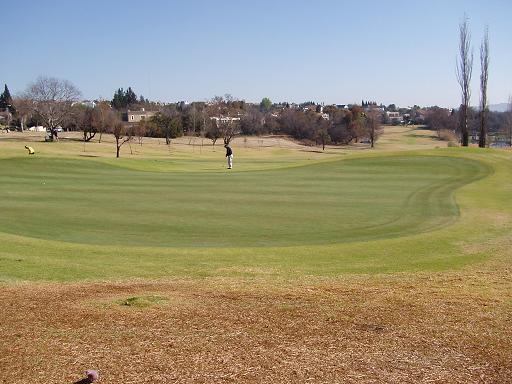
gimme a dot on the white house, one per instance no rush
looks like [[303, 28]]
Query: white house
[[38, 128], [394, 116], [225, 119], [85, 103]]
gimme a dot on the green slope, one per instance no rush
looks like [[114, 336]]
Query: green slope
[[75, 219], [351, 200]]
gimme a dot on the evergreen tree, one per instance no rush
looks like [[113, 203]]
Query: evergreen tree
[[265, 104], [118, 102], [6, 100], [123, 99], [130, 97]]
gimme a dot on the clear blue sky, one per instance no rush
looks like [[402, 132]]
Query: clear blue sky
[[399, 52]]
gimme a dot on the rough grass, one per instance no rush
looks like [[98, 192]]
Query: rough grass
[[431, 306], [419, 328]]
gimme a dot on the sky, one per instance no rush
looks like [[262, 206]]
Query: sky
[[401, 52]]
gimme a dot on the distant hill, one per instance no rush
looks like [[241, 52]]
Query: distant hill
[[501, 107]]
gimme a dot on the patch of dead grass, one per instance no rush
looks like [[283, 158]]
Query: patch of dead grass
[[448, 327]]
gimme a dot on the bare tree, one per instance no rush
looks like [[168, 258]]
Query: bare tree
[[372, 125], [464, 72], [24, 108], [443, 122], [104, 109], [91, 120], [253, 121], [229, 129], [140, 129], [222, 113], [52, 100], [355, 123], [211, 130], [122, 132], [484, 76], [322, 135]]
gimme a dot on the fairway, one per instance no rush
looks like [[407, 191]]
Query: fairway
[[296, 266], [92, 202]]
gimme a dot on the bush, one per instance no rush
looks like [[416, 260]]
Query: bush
[[447, 135]]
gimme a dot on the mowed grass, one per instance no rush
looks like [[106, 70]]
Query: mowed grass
[[281, 211], [89, 202]]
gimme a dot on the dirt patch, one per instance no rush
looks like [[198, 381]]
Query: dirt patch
[[443, 328]]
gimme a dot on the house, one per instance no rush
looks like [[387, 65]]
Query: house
[[224, 119], [136, 116], [394, 117], [85, 103], [38, 128]]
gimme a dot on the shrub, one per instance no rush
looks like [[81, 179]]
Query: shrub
[[447, 135]]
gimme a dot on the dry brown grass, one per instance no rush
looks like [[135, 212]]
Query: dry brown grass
[[445, 328], [71, 144], [447, 135]]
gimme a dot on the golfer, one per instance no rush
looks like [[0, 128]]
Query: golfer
[[229, 156]]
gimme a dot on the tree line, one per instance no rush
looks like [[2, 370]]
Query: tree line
[[225, 117], [446, 124], [219, 118], [52, 102]]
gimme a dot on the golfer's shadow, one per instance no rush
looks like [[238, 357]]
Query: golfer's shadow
[[83, 381]]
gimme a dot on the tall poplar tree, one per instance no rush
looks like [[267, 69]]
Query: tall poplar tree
[[484, 76], [464, 71]]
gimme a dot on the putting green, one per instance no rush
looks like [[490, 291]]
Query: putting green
[[90, 202]]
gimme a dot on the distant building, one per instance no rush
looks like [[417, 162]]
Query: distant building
[[85, 103], [38, 128], [394, 117], [224, 119], [182, 104], [89, 104], [136, 116], [421, 116]]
